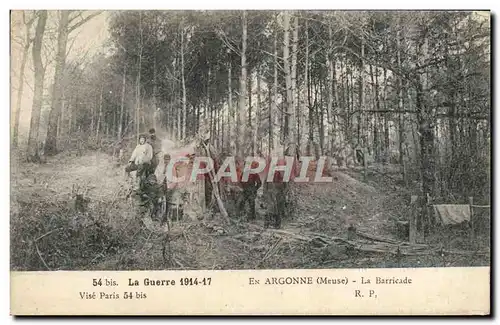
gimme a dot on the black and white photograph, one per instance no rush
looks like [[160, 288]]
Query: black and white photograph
[[144, 140]]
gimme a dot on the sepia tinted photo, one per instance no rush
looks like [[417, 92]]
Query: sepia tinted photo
[[244, 140]]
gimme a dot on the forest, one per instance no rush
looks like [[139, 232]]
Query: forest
[[408, 89]]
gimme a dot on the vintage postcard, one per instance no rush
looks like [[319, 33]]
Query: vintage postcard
[[250, 162]]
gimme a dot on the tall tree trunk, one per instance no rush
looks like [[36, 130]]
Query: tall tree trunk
[[375, 116], [99, 115], [179, 109], [347, 115], [361, 94], [249, 90], [169, 119], [273, 111], [270, 121], [55, 111], [452, 122], [289, 108], [212, 123], [321, 118], [425, 120], [232, 128], [329, 109], [92, 113], [114, 126], [378, 116], [70, 117], [308, 86], [242, 95], [198, 117], [38, 90], [208, 108], [26, 49], [401, 128], [138, 82], [60, 120], [294, 90], [184, 108], [222, 130], [59, 126], [155, 92], [386, 121], [257, 113], [426, 131], [122, 103]]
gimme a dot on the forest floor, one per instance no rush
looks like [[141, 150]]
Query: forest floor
[[49, 233]]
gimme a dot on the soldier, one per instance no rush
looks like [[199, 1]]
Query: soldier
[[140, 160], [156, 145], [249, 194], [276, 201], [360, 155], [278, 191]]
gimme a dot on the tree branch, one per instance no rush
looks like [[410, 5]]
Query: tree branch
[[83, 21], [222, 36]]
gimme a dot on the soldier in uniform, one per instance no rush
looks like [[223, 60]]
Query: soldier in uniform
[[278, 192], [156, 145], [249, 194], [275, 197], [140, 160]]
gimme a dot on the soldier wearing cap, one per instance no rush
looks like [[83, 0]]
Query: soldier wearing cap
[[140, 160], [156, 145]]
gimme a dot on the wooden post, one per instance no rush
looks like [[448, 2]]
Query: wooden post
[[471, 223], [428, 211], [413, 215], [365, 163], [405, 174], [351, 232]]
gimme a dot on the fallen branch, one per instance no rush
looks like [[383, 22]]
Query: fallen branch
[[465, 252], [178, 263], [332, 239], [290, 234], [215, 188], [40, 255], [46, 234], [97, 256], [270, 251], [376, 238], [147, 240]]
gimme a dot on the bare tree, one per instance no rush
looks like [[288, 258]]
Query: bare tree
[[122, 102], [183, 81], [38, 89], [243, 88], [290, 110], [294, 88], [26, 48], [67, 24]]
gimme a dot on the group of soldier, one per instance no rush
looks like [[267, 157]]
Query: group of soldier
[[145, 159]]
